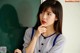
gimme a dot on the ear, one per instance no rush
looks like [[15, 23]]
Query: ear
[[56, 18]]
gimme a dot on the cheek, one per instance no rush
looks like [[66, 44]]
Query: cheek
[[51, 21], [40, 17]]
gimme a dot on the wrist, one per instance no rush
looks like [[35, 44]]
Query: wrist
[[36, 36]]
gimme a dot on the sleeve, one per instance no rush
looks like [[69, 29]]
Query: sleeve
[[58, 47], [27, 38]]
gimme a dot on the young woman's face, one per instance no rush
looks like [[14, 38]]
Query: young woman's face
[[48, 17]]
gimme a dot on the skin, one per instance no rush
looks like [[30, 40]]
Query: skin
[[46, 28]]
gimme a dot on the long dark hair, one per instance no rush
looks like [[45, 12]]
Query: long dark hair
[[56, 9]]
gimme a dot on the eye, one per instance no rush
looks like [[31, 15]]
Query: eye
[[49, 14]]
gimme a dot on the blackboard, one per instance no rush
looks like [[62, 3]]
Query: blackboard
[[11, 33]]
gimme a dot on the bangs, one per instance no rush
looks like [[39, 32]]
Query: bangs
[[44, 7]]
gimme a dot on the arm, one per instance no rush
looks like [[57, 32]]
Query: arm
[[30, 45]]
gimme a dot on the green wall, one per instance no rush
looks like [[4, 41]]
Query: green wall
[[15, 17], [26, 10]]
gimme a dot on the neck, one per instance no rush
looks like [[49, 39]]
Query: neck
[[50, 30]]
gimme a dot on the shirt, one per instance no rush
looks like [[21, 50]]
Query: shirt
[[44, 45]]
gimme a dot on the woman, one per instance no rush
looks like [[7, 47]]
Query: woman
[[47, 36]]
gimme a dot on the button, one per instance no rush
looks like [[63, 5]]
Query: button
[[39, 50], [44, 37], [42, 44]]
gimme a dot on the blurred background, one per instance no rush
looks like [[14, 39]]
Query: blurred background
[[17, 15]]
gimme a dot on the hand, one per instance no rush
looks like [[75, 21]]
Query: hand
[[41, 29], [17, 51]]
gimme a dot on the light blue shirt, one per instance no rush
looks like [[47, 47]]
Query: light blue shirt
[[44, 45]]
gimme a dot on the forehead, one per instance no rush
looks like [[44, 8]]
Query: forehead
[[48, 9]]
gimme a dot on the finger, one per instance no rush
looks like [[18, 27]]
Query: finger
[[43, 30], [17, 51], [43, 25]]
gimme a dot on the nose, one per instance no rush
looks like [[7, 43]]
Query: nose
[[44, 16]]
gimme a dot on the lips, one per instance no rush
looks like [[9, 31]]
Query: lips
[[43, 22]]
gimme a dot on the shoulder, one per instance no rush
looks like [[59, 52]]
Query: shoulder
[[28, 30], [61, 38]]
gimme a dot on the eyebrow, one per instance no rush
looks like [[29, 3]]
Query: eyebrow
[[49, 11]]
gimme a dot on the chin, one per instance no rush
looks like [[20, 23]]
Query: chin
[[43, 24]]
